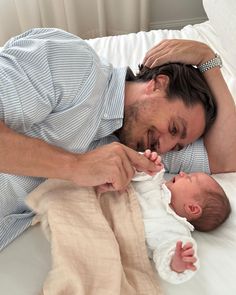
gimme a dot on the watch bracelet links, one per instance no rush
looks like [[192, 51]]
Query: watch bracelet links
[[210, 64]]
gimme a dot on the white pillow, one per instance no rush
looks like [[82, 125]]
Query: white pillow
[[222, 17]]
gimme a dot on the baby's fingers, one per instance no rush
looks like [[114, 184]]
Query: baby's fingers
[[178, 247], [191, 266], [147, 153], [188, 252], [154, 157], [187, 246], [189, 259]]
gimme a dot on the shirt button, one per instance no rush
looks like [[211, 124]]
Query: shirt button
[[105, 115]]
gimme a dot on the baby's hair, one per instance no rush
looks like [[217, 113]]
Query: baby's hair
[[215, 209]]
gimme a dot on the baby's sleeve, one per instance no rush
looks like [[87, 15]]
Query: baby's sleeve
[[162, 255]]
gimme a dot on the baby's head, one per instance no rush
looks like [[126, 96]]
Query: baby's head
[[199, 198]]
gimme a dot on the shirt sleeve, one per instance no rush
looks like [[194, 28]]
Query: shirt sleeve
[[39, 75], [192, 158]]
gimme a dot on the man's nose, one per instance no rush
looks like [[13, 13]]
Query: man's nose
[[168, 144]]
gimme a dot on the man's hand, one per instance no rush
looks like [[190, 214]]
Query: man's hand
[[183, 258], [110, 167], [178, 50]]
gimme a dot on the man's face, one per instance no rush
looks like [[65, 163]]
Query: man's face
[[161, 125]]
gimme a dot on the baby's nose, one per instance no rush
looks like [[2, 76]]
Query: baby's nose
[[182, 174]]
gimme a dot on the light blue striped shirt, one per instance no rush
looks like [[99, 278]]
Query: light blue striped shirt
[[53, 86]]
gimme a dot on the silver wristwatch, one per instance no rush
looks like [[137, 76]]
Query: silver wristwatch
[[212, 63]]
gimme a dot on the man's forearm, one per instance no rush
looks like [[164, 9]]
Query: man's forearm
[[220, 141], [111, 165], [22, 155]]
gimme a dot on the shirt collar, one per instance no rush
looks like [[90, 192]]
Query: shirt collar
[[166, 199], [115, 95]]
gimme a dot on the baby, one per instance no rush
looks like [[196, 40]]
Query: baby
[[171, 210]]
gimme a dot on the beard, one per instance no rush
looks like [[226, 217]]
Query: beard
[[126, 132]]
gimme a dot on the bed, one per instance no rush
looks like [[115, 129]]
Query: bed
[[24, 264]]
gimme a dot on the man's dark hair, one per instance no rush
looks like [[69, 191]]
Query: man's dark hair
[[185, 83]]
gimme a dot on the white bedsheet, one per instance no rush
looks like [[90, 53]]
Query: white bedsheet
[[130, 49], [24, 264]]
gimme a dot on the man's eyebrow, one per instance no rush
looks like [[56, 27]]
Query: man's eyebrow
[[184, 128]]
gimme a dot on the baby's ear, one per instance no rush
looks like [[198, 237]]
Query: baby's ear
[[193, 210]]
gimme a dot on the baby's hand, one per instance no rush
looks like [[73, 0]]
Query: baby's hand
[[154, 157], [183, 257]]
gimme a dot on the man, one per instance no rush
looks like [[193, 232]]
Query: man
[[220, 140], [58, 103]]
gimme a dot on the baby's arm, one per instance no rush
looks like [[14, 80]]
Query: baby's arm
[[183, 258], [170, 265]]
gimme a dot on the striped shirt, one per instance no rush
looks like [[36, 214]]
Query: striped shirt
[[54, 87]]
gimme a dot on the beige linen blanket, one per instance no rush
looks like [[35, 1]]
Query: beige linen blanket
[[97, 243]]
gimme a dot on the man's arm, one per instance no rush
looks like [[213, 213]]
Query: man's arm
[[220, 140], [110, 165], [22, 155]]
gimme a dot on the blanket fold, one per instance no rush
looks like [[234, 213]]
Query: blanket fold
[[97, 244]]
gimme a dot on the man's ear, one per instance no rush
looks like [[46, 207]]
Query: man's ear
[[160, 83], [193, 210]]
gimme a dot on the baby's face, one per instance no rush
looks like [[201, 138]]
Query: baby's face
[[184, 187]]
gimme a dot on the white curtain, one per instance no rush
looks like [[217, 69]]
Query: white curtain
[[86, 18]]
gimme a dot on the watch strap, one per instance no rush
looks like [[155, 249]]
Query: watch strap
[[212, 63]]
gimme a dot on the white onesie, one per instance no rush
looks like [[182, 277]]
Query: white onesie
[[163, 227]]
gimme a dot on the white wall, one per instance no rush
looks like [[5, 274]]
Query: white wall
[[174, 14], [17, 16]]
